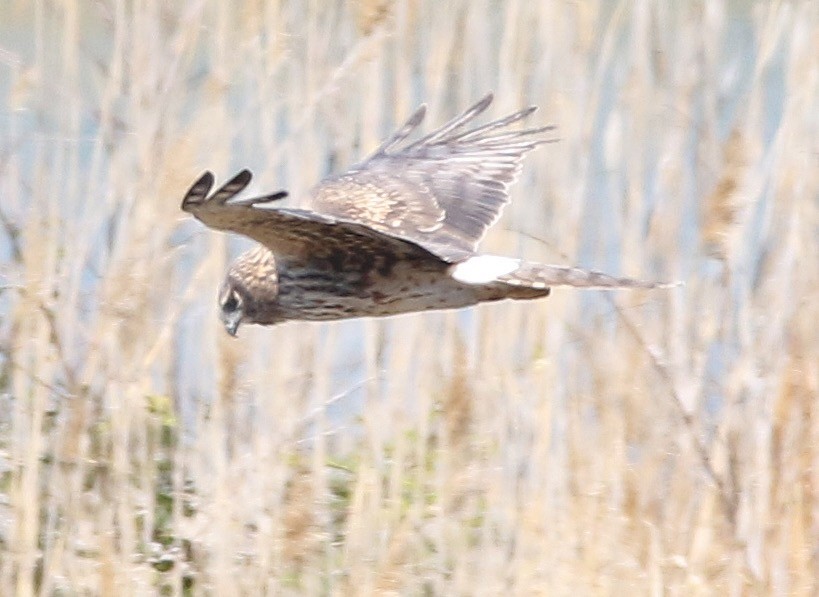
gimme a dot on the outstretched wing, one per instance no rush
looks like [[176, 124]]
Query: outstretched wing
[[292, 234], [444, 190]]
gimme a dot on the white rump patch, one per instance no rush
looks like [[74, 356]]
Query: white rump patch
[[482, 269]]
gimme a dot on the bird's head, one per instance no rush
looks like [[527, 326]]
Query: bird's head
[[231, 305], [248, 294]]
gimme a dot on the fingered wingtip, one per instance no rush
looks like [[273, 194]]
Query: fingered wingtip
[[416, 118], [484, 102], [199, 190], [199, 193], [232, 187], [278, 195], [244, 176]]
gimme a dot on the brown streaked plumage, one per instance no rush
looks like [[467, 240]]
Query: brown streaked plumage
[[394, 234]]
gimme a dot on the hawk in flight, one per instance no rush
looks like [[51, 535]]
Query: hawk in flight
[[394, 234]]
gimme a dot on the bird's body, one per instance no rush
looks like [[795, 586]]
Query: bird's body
[[395, 234], [329, 294], [353, 285]]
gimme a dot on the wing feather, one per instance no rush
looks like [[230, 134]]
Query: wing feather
[[291, 234], [436, 196], [454, 124], [442, 191], [405, 131]]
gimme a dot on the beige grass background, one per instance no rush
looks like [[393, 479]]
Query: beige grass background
[[591, 443]]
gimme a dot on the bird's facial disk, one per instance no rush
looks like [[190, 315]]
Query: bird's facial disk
[[231, 309]]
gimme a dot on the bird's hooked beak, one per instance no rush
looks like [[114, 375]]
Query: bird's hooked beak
[[232, 322]]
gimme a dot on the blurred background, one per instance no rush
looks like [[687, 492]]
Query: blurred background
[[589, 443]]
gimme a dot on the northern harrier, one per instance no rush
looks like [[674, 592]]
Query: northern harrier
[[394, 234]]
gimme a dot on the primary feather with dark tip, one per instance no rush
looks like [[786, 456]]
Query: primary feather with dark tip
[[394, 234]]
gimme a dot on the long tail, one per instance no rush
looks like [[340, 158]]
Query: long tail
[[490, 269], [539, 275]]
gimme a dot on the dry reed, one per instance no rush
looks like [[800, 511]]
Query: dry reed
[[584, 444]]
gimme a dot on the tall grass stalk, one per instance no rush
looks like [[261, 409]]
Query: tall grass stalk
[[588, 443]]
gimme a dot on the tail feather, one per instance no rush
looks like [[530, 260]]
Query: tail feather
[[514, 278], [539, 275]]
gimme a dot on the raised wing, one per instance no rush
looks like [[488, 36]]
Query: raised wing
[[444, 190], [291, 234]]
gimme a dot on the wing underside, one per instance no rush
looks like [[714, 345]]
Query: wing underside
[[443, 190]]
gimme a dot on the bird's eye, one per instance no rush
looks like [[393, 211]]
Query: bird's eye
[[232, 303]]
